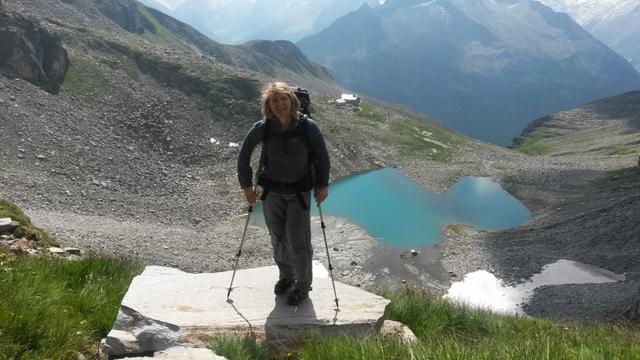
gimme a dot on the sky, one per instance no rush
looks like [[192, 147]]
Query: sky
[[172, 4]]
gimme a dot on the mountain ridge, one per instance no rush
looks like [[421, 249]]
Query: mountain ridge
[[615, 23], [488, 78], [242, 21], [606, 126]]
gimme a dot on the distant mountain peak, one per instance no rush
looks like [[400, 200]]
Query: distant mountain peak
[[485, 67], [614, 22]]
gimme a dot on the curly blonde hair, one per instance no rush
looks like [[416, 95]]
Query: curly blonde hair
[[278, 87]]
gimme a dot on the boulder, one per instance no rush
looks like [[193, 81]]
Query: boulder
[[56, 250], [398, 330], [30, 52], [21, 244], [7, 225], [166, 307]]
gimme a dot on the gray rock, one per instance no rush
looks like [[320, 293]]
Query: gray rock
[[73, 251], [32, 53], [121, 342], [182, 353], [7, 225], [56, 250], [185, 353], [165, 307], [20, 245], [398, 329]]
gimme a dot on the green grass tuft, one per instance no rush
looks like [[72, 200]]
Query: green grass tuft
[[26, 229], [84, 79], [370, 112], [162, 35], [627, 151], [372, 348], [239, 349], [534, 145], [447, 330], [56, 307], [125, 64], [456, 228], [624, 175], [420, 141]]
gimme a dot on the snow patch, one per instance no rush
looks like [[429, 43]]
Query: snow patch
[[483, 290]]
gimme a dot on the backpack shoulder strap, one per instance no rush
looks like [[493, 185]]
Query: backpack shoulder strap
[[307, 136], [265, 137]]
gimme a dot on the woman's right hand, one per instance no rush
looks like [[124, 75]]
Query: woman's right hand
[[250, 194]]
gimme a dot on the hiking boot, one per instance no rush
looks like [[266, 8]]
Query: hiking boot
[[297, 296], [282, 286]]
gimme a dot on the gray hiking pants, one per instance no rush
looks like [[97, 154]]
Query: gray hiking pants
[[290, 229]]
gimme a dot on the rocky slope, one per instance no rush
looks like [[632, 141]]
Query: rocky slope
[[607, 126], [135, 154], [583, 191]]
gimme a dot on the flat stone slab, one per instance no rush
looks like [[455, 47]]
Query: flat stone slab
[[165, 307], [182, 353]]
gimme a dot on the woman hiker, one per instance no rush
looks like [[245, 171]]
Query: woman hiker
[[292, 143]]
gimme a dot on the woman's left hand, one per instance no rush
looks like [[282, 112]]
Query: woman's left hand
[[321, 195]]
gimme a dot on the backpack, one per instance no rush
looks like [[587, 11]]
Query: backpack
[[308, 181], [303, 97]]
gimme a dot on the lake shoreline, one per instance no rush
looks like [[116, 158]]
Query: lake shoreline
[[571, 199]]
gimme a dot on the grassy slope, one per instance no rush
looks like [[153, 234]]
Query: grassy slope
[[451, 331], [608, 126], [58, 307], [79, 300], [374, 125], [50, 308], [26, 228]]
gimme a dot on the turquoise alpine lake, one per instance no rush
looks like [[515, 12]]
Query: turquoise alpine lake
[[397, 211]]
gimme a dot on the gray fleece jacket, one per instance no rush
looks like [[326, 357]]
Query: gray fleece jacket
[[287, 152]]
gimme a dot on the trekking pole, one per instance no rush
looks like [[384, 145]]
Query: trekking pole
[[326, 246], [235, 266]]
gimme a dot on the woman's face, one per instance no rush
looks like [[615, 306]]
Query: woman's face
[[280, 105]]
